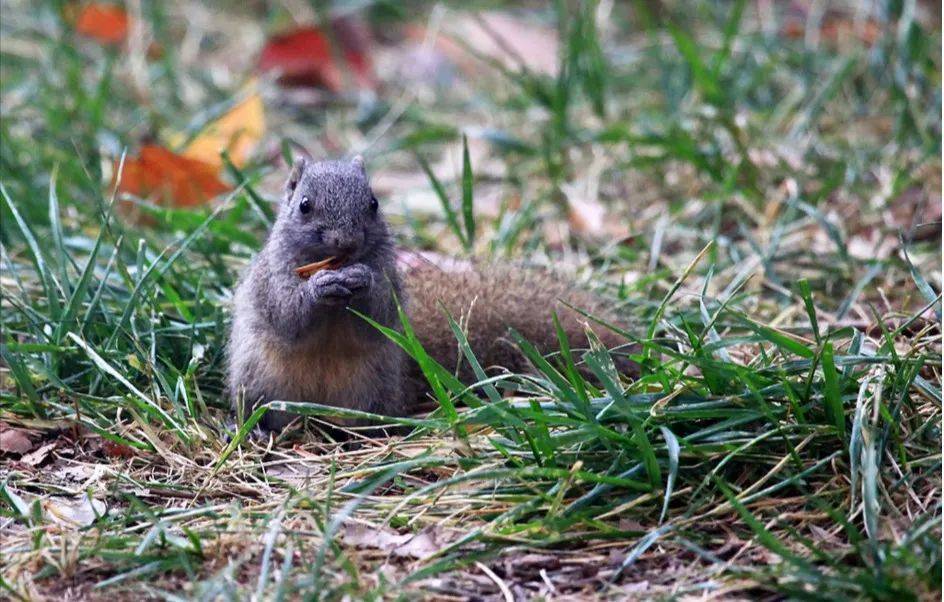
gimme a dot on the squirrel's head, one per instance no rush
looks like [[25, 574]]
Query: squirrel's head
[[329, 210]]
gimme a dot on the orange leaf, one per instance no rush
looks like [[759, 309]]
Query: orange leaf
[[107, 23], [303, 57], [236, 132], [169, 178]]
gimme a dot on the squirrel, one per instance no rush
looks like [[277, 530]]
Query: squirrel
[[293, 339]]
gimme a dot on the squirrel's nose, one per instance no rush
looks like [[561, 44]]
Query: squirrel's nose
[[343, 244]]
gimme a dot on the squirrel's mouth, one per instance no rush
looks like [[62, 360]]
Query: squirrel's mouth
[[346, 255], [340, 259], [334, 258]]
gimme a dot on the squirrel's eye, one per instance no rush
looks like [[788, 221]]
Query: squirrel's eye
[[373, 204], [305, 205]]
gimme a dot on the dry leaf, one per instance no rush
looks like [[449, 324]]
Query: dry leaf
[[628, 524], [79, 511], [422, 545], [113, 449], [836, 25], [106, 23], [872, 245], [35, 458], [169, 179], [294, 475], [84, 474], [237, 132], [637, 588], [419, 545], [586, 217], [304, 57], [14, 441]]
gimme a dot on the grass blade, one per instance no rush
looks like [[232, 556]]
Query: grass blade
[[672, 444], [50, 286], [468, 215], [451, 217], [831, 394]]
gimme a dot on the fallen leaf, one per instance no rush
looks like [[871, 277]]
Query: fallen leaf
[[628, 524], [534, 559], [35, 458], [113, 449], [823, 535], [294, 475], [872, 245], [587, 217], [237, 132], [79, 511], [639, 587], [304, 57], [838, 29], [84, 474], [836, 26], [420, 545], [169, 179], [586, 214], [14, 441], [106, 23]]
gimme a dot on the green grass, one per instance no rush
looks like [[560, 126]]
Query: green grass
[[775, 245]]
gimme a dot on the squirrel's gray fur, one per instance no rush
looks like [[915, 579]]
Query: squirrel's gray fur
[[297, 340]]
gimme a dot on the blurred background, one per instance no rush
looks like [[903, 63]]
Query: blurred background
[[609, 124]]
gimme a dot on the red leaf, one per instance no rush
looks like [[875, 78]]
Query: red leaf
[[113, 449], [169, 178], [107, 23], [303, 57]]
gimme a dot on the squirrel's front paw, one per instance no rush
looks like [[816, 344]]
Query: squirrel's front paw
[[357, 278], [327, 288], [336, 287]]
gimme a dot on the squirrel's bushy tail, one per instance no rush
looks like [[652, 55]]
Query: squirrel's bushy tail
[[489, 300]]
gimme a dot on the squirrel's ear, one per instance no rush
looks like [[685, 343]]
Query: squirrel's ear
[[297, 170], [358, 162]]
